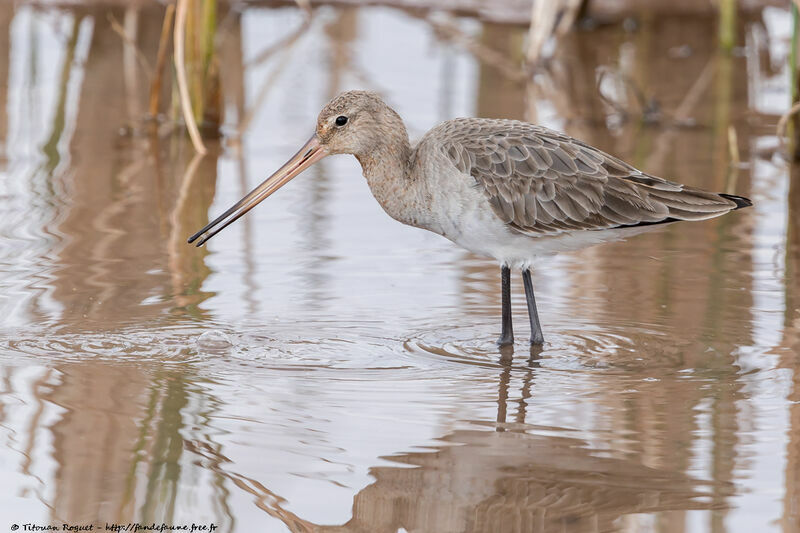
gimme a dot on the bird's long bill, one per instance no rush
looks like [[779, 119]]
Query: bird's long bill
[[309, 154]]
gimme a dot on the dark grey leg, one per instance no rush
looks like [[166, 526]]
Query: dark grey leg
[[536, 328], [507, 334]]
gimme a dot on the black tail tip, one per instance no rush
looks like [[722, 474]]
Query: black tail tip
[[740, 201]]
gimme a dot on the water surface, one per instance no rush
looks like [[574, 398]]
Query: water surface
[[319, 366]]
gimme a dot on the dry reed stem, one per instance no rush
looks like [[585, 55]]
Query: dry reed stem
[[161, 60], [543, 25], [734, 161], [127, 39], [543, 19], [780, 130], [783, 122], [573, 8], [180, 69], [733, 146]]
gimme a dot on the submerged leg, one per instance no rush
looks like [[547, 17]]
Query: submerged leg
[[507, 334], [536, 328]]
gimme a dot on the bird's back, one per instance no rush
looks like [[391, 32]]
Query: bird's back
[[542, 182]]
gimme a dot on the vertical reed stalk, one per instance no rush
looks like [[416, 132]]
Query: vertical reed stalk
[[793, 54], [723, 107], [50, 148], [727, 24], [155, 85], [202, 64], [794, 124], [180, 69]]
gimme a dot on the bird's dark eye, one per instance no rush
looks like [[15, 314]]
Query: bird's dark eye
[[341, 120]]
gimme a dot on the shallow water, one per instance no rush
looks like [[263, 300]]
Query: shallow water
[[319, 366]]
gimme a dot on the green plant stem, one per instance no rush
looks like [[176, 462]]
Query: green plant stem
[[727, 24], [793, 55], [794, 127]]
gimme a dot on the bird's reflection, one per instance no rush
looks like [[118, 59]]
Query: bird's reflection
[[511, 479]]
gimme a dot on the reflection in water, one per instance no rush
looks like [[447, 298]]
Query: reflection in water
[[363, 391], [508, 481]]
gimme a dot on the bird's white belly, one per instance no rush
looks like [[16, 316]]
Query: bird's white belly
[[462, 214]]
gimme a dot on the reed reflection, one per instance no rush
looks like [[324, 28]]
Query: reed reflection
[[119, 445], [114, 257], [788, 351], [6, 16], [117, 204]]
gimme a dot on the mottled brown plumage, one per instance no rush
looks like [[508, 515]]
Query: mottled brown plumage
[[539, 181]]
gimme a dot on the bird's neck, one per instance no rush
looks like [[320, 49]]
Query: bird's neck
[[387, 169]]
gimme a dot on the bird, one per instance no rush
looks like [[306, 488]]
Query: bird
[[504, 189]]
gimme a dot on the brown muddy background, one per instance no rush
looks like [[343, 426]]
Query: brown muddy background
[[347, 378]]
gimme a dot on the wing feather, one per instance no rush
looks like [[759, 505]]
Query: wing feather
[[539, 181]]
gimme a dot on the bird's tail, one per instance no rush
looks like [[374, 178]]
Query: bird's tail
[[741, 201]]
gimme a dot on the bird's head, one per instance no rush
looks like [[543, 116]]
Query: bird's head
[[355, 122], [358, 123]]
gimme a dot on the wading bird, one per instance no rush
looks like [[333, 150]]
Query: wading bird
[[503, 189]]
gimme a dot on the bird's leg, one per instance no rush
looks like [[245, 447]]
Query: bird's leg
[[507, 334], [536, 328]]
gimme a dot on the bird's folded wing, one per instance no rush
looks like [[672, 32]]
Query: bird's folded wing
[[539, 181]]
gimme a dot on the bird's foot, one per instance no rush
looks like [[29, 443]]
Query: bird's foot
[[505, 340]]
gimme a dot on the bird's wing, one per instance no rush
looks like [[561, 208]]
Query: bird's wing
[[539, 181]]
